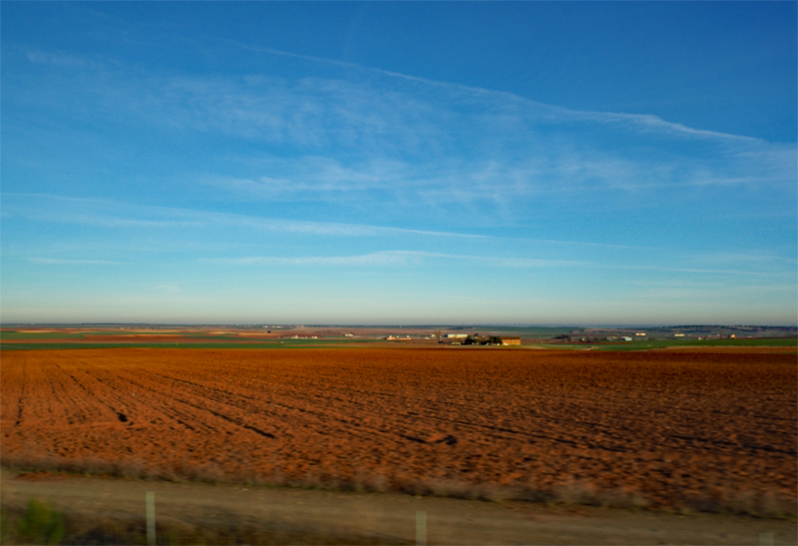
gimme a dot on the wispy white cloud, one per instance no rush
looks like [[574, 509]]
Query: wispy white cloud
[[386, 140], [115, 214], [310, 177], [757, 259], [700, 270], [416, 258], [57, 58], [108, 213], [220, 173], [687, 292], [373, 259], [397, 257], [61, 261], [646, 122], [394, 258]]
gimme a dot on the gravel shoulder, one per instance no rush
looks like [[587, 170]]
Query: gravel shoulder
[[382, 518]]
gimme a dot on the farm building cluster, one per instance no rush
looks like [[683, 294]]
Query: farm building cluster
[[476, 339]]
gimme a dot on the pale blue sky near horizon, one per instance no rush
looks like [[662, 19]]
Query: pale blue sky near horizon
[[581, 163]]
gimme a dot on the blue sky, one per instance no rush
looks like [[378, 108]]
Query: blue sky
[[399, 163]]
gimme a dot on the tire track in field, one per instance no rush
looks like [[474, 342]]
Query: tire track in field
[[434, 409], [224, 397], [178, 397], [32, 410], [645, 424], [321, 423], [397, 431], [328, 401], [75, 409], [109, 395], [432, 412], [8, 405], [112, 410], [618, 408], [145, 406]]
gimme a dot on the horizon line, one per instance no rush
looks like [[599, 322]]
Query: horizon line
[[389, 325]]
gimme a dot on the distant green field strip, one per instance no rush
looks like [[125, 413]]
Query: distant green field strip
[[661, 344], [562, 346], [11, 335], [148, 334], [60, 346], [27, 335], [665, 343], [56, 335]]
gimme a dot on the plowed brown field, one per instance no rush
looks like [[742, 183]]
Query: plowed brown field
[[669, 427]]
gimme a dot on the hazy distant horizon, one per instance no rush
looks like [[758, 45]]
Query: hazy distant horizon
[[408, 325], [379, 162]]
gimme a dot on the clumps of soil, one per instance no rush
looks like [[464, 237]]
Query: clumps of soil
[[702, 430]]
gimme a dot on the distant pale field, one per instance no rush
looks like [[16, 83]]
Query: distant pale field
[[710, 429], [263, 338]]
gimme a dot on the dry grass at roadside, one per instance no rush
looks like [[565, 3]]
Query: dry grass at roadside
[[747, 503], [104, 530]]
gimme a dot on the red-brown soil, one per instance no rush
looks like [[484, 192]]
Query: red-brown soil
[[667, 426]]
